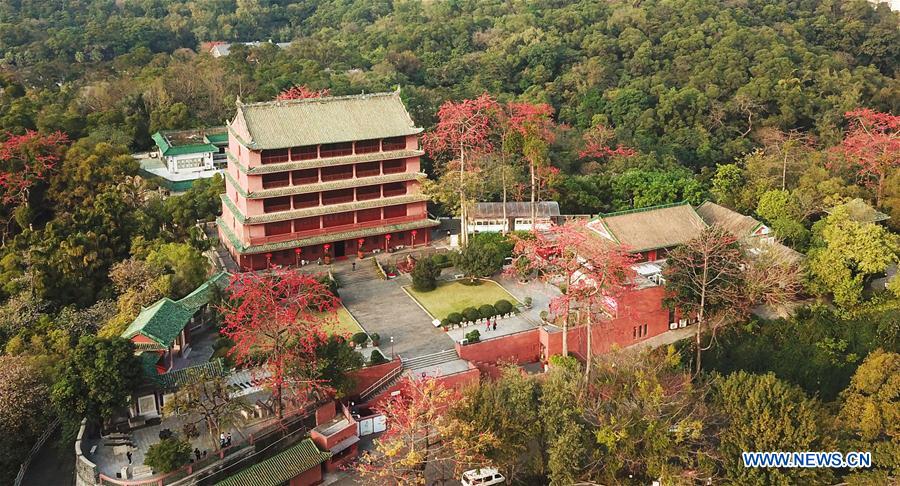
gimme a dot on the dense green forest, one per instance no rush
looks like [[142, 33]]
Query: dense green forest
[[743, 102]]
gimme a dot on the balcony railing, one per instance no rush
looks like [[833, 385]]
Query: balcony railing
[[262, 240]]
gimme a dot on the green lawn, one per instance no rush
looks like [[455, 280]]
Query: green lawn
[[345, 323], [454, 297]]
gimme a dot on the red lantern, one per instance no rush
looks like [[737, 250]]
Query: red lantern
[[298, 251], [268, 260], [361, 241], [327, 246], [387, 237]]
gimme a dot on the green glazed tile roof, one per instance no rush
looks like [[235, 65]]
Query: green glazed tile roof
[[294, 123], [325, 186], [205, 292], [320, 210], [321, 239], [323, 162], [168, 147], [148, 361], [281, 468], [217, 138], [161, 322], [191, 374]]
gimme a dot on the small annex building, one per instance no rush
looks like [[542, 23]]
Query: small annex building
[[299, 465], [184, 156], [488, 217], [650, 232]]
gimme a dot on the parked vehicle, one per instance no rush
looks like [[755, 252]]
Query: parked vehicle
[[482, 477]]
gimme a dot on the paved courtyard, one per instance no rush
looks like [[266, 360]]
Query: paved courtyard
[[381, 306]]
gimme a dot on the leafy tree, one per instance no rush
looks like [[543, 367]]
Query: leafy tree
[[336, 361], [704, 278], [421, 433], [168, 455], [481, 258], [425, 274], [869, 415], [533, 123], [24, 416], [782, 211], [847, 254], [97, 379], [206, 399], [507, 408], [648, 420], [202, 202], [276, 321], [727, 184], [182, 266], [763, 413]]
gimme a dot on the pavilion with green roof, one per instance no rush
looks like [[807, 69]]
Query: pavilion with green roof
[[162, 328]]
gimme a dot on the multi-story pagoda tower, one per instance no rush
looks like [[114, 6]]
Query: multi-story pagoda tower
[[322, 178]]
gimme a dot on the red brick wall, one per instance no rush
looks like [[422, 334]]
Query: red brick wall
[[309, 477], [518, 348], [365, 377], [637, 308]]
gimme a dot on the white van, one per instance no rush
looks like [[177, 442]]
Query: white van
[[482, 477]]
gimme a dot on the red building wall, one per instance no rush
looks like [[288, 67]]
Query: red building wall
[[309, 477], [639, 308]]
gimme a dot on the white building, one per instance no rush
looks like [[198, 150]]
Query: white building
[[183, 156]]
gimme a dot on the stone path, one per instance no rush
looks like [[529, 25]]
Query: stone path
[[381, 306]]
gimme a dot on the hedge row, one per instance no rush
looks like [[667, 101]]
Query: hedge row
[[470, 315]]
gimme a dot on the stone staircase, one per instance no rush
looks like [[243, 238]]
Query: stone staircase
[[428, 360], [365, 271]]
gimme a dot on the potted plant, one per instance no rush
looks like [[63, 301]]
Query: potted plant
[[527, 302], [360, 339], [544, 315], [376, 339], [445, 324]]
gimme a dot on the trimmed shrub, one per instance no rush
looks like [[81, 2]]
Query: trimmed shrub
[[487, 311], [471, 314], [168, 455], [360, 338], [503, 307], [425, 274], [473, 336], [376, 339], [455, 318], [377, 358]]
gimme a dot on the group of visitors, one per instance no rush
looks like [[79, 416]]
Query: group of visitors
[[224, 440]]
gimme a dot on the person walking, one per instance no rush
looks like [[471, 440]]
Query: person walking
[[353, 266], [228, 440], [495, 324], [197, 453], [222, 440], [128, 455]]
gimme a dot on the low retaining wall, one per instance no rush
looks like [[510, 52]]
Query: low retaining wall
[[519, 348], [86, 472]]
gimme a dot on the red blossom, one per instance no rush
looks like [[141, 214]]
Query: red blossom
[[301, 93], [276, 321], [872, 144], [597, 145], [26, 160], [463, 127], [531, 118]]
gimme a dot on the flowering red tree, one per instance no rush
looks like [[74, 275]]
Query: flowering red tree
[[872, 144], [534, 123], [463, 133], [422, 431], [591, 272], [598, 144], [26, 160], [301, 93], [276, 321]]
